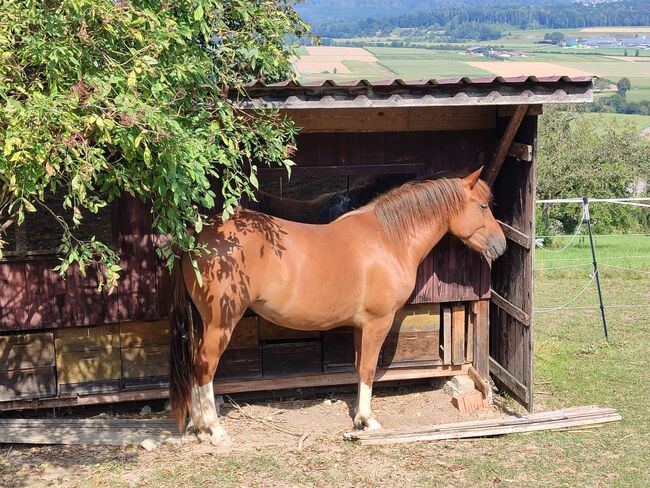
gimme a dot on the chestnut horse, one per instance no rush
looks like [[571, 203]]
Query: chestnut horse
[[358, 270]]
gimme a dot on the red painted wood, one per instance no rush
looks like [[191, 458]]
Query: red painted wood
[[13, 296], [46, 294]]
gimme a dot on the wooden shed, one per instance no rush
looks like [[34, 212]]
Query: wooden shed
[[63, 343]]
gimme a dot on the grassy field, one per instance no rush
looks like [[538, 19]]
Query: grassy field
[[573, 366]]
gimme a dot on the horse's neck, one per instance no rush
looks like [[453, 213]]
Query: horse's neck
[[424, 239]]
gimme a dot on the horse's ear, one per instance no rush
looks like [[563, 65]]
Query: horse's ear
[[471, 179]]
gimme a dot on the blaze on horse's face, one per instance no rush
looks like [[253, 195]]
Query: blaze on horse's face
[[475, 225]]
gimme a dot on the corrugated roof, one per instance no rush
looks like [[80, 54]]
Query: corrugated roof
[[485, 90], [461, 80]]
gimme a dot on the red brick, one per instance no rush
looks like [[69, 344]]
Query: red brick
[[470, 401]]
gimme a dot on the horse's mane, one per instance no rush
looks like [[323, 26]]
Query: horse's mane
[[403, 209]]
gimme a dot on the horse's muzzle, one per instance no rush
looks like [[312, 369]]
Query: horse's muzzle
[[496, 247]]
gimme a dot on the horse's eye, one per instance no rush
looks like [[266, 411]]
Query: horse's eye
[[484, 206]]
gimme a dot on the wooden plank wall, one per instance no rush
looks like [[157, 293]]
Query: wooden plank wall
[[33, 296], [452, 272], [512, 274]]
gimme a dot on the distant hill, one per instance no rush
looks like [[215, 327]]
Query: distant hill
[[322, 11], [465, 19]]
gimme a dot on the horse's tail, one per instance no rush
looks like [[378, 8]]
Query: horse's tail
[[186, 326]]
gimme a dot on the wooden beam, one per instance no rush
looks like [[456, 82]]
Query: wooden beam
[[509, 308], [482, 338], [305, 381], [507, 379], [509, 110], [515, 235], [362, 169], [458, 334], [492, 171], [397, 119], [522, 152], [446, 324]]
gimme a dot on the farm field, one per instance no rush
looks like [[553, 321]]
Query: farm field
[[574, 366], [417, 63]]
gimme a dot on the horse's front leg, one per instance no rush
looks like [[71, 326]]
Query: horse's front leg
[[204, 419], [368, 343]]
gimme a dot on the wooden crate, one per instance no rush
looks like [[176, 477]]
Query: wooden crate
[[423, 317], [410, 348], [145, 353], [272, 332], [290, 358], [88, 359], [414, 338], [240, 364], [338, 350], [30, 383], [27, 366]]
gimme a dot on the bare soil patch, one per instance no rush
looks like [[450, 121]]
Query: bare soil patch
[[329, 59], [282, 431], [522, 68]]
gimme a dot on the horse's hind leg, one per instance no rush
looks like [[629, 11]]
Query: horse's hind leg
[[204, 416], [368, 343]]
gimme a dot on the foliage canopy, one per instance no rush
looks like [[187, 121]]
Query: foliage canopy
[[102, 97], [581, 155]]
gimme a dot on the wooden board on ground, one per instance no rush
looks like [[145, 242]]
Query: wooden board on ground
[[114, 432], [556, 420]]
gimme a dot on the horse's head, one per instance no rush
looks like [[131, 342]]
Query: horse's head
[[475, 225]]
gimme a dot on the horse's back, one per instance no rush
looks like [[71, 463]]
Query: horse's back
[[301, 275]]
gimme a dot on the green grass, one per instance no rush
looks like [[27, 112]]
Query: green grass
[[640, 122], [573, 366]]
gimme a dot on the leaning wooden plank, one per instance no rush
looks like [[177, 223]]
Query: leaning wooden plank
[[490, 427], [489, 432], [492, 171], [553, 416]]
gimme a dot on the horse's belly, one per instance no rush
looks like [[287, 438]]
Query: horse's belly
[[310, 304]]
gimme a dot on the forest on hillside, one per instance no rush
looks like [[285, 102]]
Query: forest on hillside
[[484, 20]]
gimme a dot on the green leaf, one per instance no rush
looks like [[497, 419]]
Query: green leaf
[[197, 272], [198, 13], [146, 155]]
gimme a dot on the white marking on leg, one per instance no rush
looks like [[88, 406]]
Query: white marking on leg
[[364, 415], [204, 412]]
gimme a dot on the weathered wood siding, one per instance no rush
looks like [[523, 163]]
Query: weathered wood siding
[[511, 326], [452, 272]]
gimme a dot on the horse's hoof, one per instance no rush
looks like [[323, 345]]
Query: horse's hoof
[[220, 439], [372, 424], [366, 424]]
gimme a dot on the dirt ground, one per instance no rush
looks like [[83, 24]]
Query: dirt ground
[[287, 428]]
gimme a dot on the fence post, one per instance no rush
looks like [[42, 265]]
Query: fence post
[[585, 201]]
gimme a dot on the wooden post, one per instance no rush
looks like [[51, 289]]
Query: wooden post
[[481, 360], [491, 172]]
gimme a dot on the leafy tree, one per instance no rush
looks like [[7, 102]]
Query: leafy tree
[[623, 86], [556, 37], [580, 156], [102, 97], [637, 53]]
